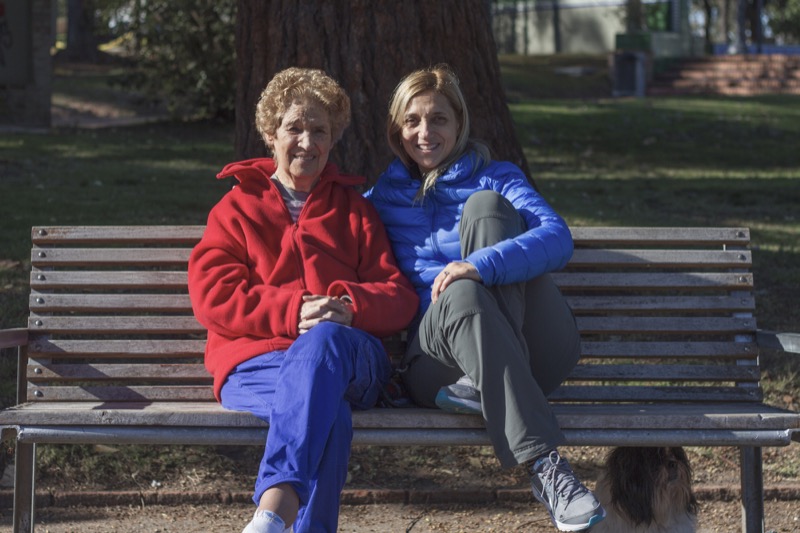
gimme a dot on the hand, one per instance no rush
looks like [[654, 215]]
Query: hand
[[453, 271], [316, 309]]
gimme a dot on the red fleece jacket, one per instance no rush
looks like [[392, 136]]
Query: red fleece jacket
[[248, 274]]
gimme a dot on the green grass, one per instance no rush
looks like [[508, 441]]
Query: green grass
[[156, 174], [563, 76], [679, 162]]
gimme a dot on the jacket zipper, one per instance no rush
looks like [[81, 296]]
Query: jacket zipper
[[295, 243]]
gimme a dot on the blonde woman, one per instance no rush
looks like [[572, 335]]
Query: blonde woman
[[493, 334]]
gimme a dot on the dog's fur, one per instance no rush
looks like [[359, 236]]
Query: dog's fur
[[647, 490]]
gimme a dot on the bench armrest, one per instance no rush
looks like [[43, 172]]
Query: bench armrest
[[787, 342], [13, 338]]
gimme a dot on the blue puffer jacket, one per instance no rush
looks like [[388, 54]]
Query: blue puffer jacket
[[424, 235]]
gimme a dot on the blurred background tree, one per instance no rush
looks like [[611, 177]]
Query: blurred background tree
[[784, 18], [184, 51]]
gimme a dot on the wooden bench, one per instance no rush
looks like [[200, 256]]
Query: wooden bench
[[112, 353]]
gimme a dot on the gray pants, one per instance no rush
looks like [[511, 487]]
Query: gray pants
[[517, 342]]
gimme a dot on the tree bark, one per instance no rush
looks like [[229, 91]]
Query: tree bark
[[368, 46], [81, 41]]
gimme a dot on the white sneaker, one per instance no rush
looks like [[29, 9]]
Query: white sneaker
[[266, 522]]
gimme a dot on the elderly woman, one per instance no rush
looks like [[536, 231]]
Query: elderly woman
[[494, 335], [295, 280]]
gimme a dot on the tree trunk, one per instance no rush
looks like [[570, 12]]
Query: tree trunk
[[81, 41], [367, 46], [708, 9], [741, 27]]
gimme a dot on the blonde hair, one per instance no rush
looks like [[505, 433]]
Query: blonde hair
[[302, 85], [441, 80]]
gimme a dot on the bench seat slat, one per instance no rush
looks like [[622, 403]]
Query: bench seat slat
[[706, 415], [682, 259]]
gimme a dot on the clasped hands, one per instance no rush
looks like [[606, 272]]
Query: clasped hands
[[317, 308]]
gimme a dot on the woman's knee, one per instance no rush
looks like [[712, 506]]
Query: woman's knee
[[488, 217], [487, 202], [322, 344], [465, 294]]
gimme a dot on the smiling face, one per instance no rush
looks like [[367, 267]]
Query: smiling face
[[301, 145], [430, 130]]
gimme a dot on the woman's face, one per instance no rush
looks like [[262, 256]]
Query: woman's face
[[301, 145], [430, 130]]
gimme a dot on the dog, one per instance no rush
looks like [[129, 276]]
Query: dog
[[647, 490]]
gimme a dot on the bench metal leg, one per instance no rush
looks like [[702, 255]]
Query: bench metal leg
[[752, 479], [24, 498]]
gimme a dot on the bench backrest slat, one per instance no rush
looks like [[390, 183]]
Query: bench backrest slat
[[41, 302], [101, 325], [666, 314], [99, 279], [610, 236], [676, 349], [644, 304], [661, 258], [111, 235], [154, 372], [46, 346], [47, 257]]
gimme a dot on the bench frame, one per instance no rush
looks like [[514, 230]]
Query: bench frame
[[622, 405]]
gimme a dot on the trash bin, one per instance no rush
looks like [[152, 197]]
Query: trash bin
[[629, 74]]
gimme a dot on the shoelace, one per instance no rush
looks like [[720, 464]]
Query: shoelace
[[563, 486]]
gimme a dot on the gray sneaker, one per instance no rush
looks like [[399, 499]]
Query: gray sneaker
[[572, 506], [460, 397]]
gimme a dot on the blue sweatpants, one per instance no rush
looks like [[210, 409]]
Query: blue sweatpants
[[306, 394]]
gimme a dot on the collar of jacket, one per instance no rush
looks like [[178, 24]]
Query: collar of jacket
[[463, 168], [262, 168]]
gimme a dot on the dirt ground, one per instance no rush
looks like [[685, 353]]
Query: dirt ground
[[714, 516]]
